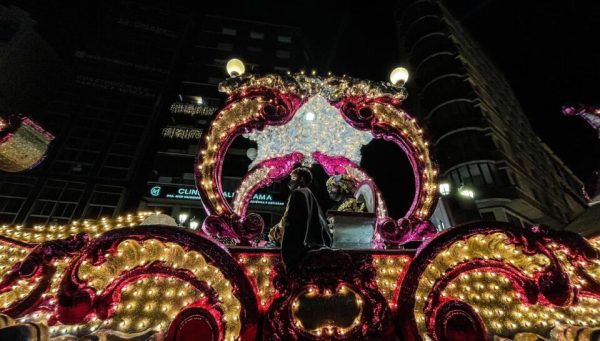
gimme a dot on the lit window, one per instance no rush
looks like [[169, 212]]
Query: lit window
[[257, 35], [284, 39], [282, 54], [229, 31]]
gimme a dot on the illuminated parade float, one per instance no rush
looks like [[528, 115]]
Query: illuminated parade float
[[139, 277]]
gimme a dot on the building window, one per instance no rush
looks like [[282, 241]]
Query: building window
[[228, 31], [104, 202], [56, 202], [225, 46], [513, 220], [254, 49], [476, 177], [282, 54], [284, 39], [257, 35], [474, 174], [488, 216], [214, 80], [515, 179], [13, 193]]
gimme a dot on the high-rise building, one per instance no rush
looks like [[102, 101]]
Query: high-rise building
[[29, 67], [482, 137], [104, 119], [194, 100]]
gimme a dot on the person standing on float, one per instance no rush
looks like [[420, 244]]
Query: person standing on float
[[303, 223]]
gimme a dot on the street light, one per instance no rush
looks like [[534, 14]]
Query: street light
[[193, 224], [399, 76], [235, 67], [444, 188], [182, 218], [466, 192]]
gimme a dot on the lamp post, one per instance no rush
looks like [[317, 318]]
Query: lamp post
[[182, 218], [444, 188], [466, 191], [235, 67], [194, 224], [399, 76]]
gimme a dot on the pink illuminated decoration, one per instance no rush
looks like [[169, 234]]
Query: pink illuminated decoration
[[263, 175], [244, 111], [126, 278], [334, 165], [23, 143], [589, 113], [199, 321], [472, 282], [536, 268], [257, 103]]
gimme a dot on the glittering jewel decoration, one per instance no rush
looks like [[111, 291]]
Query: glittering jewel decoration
[[23, 143], [316, 126]]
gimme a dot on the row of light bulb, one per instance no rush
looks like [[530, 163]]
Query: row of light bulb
[[236, 67]]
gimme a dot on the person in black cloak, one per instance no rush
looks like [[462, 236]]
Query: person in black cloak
[[303, 226]]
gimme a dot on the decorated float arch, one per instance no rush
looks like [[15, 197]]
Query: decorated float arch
[[309, 119], [141, 277]]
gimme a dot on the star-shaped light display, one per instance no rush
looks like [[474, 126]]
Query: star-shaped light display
[[316, 126]]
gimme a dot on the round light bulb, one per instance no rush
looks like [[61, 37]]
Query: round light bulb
[[399, 75], [251, 153], [235, 67], [310, 116], [183, 217], [444, 188]]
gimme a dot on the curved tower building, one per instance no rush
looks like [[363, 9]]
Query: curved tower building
[[483, 139]]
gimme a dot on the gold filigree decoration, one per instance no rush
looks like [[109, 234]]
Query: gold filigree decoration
[[39, 234], [145, 304], [495, 299], [413, 134], [25, 147], [389, 270], [259, 270], [494, 246], [327, 313], [131, 254], [236, 114], [9, 256], [331, 87]]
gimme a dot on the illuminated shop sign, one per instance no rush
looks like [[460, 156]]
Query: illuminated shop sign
[[191, 193]]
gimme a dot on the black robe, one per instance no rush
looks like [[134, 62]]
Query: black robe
[[305, 228]]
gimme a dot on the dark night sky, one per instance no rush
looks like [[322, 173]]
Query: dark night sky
[[548, 50]]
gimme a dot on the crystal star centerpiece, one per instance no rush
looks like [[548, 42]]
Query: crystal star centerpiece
[[316, 126]]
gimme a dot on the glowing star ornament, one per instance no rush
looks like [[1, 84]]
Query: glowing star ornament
[[316, 127]]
